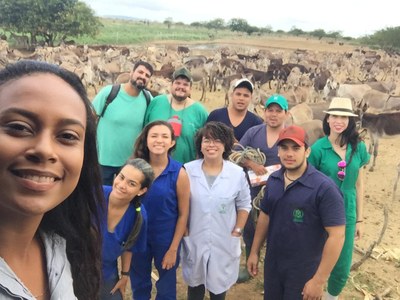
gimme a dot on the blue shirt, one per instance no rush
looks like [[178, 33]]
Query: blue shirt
[[113, 242], [161, 203], [298, 217], [256, 137], [221, 115]]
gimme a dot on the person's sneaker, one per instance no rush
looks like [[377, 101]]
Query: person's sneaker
[[243, 275]]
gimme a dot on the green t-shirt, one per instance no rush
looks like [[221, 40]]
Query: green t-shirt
[[118, 129], [192, 117]]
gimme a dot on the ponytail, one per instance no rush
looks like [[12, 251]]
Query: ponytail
[[143, 166], [137, 226]]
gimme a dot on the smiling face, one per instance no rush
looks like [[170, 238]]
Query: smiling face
[[140, 77], [128, 184], [159, 140], [337, 124], [42, 134], [181, 88], [212, 148]]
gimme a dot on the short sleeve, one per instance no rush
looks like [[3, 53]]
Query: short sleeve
[[364, 155]]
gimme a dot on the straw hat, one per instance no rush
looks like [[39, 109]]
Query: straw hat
[[341, 107]]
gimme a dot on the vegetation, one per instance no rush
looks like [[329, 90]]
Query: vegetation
[[125, 32], [48, 20], [388, 39], [53, 21]]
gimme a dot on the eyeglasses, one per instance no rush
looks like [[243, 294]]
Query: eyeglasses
[[342, 167], [208, 142]]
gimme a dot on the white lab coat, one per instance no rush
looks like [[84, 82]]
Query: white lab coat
[[210, 254]]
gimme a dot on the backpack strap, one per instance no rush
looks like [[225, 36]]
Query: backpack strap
[[146, 94], [113, 93]]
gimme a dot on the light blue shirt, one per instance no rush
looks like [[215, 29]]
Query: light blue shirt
[[58, 272]]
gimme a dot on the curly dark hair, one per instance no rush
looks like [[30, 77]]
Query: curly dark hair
[[141, 149], [77, 218], [216, 131]]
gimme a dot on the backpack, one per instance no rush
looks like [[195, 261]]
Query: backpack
[[114, 92]]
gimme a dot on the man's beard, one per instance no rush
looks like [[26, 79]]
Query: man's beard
[[139, 86], [179, 98]]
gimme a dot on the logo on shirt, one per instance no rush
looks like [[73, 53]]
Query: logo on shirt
[[222, 209], [298, 216]]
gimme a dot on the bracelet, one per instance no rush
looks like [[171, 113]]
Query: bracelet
[[359, 221], [125, 273]]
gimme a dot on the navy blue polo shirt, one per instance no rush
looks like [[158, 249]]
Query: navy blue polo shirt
[[298, 215]]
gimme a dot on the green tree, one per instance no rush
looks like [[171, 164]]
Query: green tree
[[334, 34], [387, 38], [237, 24], [296, 32], [168, 22], [50, 20], [267, 29], [216, 24], [251, 29], [197, 24], [318, 33], [79, 21]]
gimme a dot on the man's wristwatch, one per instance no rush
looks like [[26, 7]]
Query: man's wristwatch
[[238, 230]]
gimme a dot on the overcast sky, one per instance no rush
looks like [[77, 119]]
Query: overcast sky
[[351, 17]]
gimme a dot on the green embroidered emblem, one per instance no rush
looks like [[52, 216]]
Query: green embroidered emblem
[[298, 216]]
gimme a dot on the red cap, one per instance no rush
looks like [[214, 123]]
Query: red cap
[[295, 134]]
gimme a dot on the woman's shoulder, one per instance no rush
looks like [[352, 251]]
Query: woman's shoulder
[[361, 146], [192, 165], [321, 142], [55, 244], [174, 164], [232, 167]]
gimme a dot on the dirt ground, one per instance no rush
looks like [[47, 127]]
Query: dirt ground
[[378, 277]]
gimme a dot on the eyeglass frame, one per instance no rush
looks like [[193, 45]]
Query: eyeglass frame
[[215, 142]]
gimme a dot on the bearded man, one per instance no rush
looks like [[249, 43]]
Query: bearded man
[[123, 120], [185, 114]]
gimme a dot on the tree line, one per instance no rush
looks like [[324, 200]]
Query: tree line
[[385, 38], [54, 21]]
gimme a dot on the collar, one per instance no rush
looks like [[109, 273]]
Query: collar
[[306, 179]]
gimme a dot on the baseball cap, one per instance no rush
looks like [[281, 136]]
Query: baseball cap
[[244, 82], [182, 72], [295, 134], [278, 99]]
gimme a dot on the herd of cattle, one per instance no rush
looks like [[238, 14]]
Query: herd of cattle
[[308, 79]]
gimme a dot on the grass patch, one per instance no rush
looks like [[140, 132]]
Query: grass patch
[[127, 32]]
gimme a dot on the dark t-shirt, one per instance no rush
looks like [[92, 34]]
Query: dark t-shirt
[[221, 115]]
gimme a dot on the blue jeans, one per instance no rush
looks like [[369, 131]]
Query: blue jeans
[[108, 173]]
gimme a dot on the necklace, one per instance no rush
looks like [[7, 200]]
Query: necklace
[[41, 295], [287, 177], [170, 105]]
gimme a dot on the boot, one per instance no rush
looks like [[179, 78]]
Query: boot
[[243, 273]]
